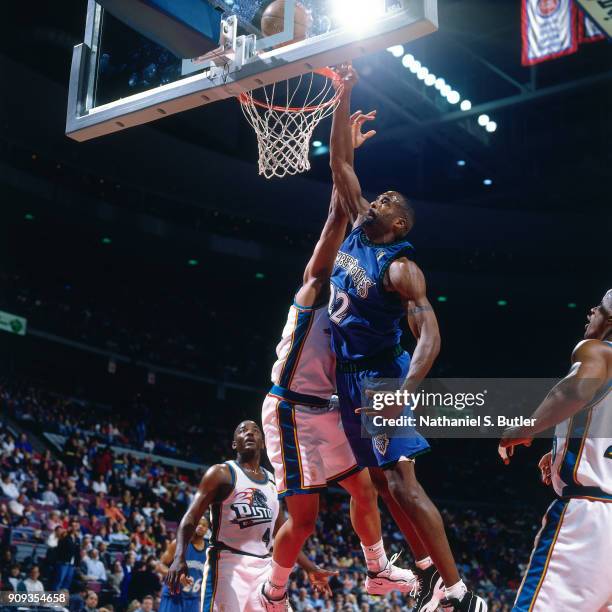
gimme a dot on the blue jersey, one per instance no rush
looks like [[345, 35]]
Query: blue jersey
[[195, 563], [365, 318]]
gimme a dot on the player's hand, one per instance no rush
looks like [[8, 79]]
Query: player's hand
[[388, 412], [348, 78], [358, 119], [512, 436], [176, 576], [319, 579], [545, 466]]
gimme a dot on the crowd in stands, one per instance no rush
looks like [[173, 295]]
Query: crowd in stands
[[150, 427]]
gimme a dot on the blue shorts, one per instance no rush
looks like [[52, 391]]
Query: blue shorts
[[376, 447], [178, 603]]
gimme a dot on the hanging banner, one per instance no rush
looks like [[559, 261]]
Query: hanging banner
[[598, 14], [588, 32], [549, 30], [13, 324]]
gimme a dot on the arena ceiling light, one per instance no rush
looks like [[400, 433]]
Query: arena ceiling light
[[453, 97], [487, 182], [461, 162], [396, 51], [317, 143], [423, 74]]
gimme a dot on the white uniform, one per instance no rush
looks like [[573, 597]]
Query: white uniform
[[238, 557], [305, 441], [571, 563]]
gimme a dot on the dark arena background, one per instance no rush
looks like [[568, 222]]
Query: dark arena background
[[155, 267]]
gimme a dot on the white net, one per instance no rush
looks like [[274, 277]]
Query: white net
[[284, 116]]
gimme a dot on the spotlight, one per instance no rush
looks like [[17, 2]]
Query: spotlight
[[422, 72], [415, 67], [407, 60], [491, 126], [466, 105], [358, 15], [440, 83], [502, 302], [317, 143], [483, 120], [461, 162], [446, 89], [487, 182], [430, 79], [453, 97], [396, 51]]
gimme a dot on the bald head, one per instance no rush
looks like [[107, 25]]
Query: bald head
[[607, 301]]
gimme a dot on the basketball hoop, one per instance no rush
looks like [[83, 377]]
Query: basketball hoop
[[284, 116]]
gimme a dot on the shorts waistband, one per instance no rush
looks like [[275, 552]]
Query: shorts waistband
[[299, 398], [369, 363], [593, 493], [220, 546]]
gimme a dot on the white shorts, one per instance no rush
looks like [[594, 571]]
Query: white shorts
[[571, 563], [231, 581], [307, 446]]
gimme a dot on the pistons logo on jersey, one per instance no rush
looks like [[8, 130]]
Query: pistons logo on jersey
[[250, 508]]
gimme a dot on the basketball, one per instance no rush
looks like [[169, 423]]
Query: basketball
[[273, 20]]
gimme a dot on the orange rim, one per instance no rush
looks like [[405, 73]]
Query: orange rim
[[328, 73]]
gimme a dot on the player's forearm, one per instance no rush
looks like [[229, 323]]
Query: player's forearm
[[565, 399], [305, 563], [423, 358], [184, 534], [341, 143]]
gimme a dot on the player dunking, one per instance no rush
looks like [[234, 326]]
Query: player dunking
[[374, 285], [304, 438], [570, 567], [188, 597], [244, 519]]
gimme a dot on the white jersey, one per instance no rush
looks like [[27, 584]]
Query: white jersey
[[244, 521], [582, 451], [306, 363]]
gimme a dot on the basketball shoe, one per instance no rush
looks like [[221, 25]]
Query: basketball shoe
[[272, 605], [392, 578], [469, 603], [431, 590]]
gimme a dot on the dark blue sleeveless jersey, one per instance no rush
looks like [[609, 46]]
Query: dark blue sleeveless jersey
[[195, 563], [365, 318]]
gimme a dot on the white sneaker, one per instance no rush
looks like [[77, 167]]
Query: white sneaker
[[271, 605], [392, 578]]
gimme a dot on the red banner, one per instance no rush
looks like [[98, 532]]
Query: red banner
[[549, 30]]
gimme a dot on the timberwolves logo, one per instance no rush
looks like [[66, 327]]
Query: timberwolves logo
[[381, 442], [251, 508], [548, 7]]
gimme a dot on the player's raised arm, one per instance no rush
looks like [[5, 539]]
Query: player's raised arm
[[589, 371], [215, 483], [342, 149], [408, 281]]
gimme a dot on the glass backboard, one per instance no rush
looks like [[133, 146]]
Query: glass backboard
[[121, 78]]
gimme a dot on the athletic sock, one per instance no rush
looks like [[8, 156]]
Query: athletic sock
[[457, 591], [276, 584], [375, 556], [425, 563]]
